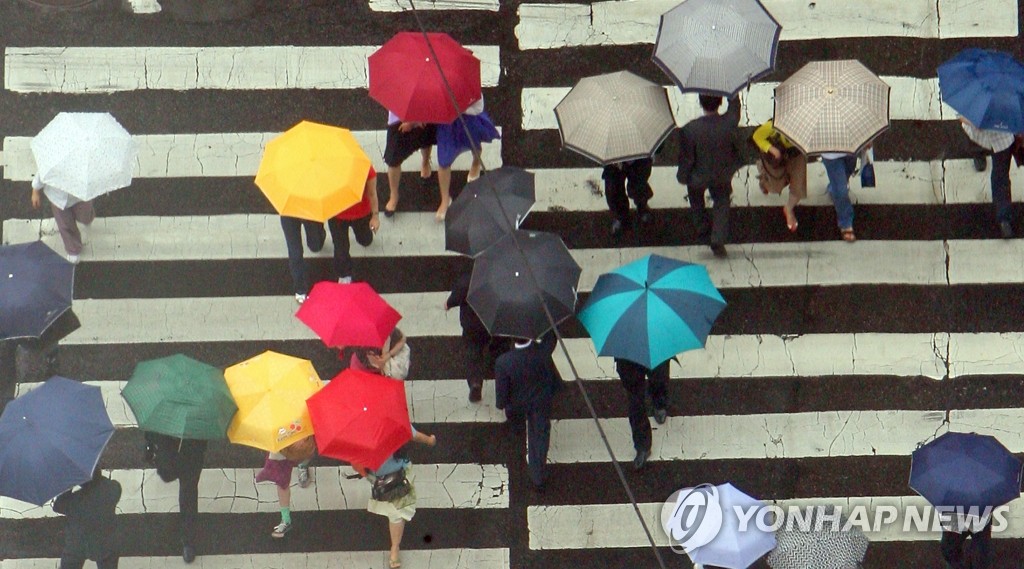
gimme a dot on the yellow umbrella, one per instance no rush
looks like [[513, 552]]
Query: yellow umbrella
[[271, 391], [313, 171]]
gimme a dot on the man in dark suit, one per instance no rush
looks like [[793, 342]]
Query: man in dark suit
[[708, 158], [91, 531], [626, 181], [482, 348], [638, 381], [525, 383], [181, 460]]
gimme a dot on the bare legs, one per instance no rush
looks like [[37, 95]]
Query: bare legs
[[787, 209], [396, 530], [395, 176], [444, 183]]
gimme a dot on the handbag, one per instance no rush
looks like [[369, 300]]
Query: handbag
[[390, 487], [867, 170]]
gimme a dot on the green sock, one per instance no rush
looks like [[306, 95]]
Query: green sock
[[286, 515]]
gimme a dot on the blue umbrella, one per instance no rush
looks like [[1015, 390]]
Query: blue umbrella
[[986, 87], [965, 469], [651, 309], [36, 286], [51, 439]]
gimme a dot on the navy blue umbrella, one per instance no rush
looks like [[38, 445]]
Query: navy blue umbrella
[[986, 87], [51, 439], [965, 469], [36, 286]]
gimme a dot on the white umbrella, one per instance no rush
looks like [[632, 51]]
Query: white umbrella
[[733, 548], [84, 154]]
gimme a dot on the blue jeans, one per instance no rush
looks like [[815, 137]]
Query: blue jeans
[[839, 171], [315, 237], [339, 237]]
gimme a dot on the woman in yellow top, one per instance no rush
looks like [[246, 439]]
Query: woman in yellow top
[[781, 164]]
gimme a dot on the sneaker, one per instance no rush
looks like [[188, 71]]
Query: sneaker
[[345, 280], [300, 298], [73, 259], [475, 393], [660, 416], [304, 476], [980, 163], [280, 529], [188, 553]]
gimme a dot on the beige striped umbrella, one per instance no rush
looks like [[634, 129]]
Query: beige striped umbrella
[[832, 106], [614, 117]]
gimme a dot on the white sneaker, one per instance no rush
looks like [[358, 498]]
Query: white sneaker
[[300, 298], [345, 280], [73, 259]]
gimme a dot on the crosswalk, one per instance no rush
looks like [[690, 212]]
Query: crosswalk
[[831, 364]]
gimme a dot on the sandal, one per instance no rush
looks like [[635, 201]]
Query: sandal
[[791, 222], [848, 235], [394, 563], [426, 170]]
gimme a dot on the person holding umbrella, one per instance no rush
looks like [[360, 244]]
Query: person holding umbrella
[[91, 530], [781, 164], [839, 166], [483, 349], [67, 216], [277, 468], [403, 139], [467, 132], [956, 528], [181, 460], [639, 381], [624, 181], [363, 218], [1001, 145]]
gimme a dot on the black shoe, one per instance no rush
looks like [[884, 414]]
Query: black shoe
[[1006, 230], [616, 227], [641, 459], [645, 216], [660, 416], [188, 553], [475, 393], [980, 163], [719, 251]]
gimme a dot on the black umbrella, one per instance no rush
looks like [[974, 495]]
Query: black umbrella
[[503, 294], [475, 220], [36, 286]]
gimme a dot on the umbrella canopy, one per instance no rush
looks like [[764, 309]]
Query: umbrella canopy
[[614, 117], [313, 171], [360, 418], [348, 314], [85, 154], [732, 548], [967, 470], [717, 46], [651, 309], [51, 438], [475, 220], [986, 87], [832, 106], [36, 288], [812, 543], [180, 397], [505, 298], [271, 391], [404, 77]]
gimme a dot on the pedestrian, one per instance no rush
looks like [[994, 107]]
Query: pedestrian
[[525, 384], [277, 468], [624, 181], [708, 158], [483, 349], [316, 235], [839, 166], [1001, 145], [781, 164], [955, 531], [401, 509], [68, 212], [403, 139], [364, 220], [181, 460], [394, 357], [91, 531], [639, 382], [453, 140]]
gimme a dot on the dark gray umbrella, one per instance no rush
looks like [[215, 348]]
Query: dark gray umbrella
[[716, 46], [503, 294], [36, 287], [475, 220]]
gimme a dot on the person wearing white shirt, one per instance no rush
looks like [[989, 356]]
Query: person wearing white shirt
[[68, 212]]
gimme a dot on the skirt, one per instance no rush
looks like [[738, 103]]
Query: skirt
[[452, 139], [401, 509], [399, 146], [277, 471]]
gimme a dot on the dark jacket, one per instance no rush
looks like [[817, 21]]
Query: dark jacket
[[173, 457], [525, 377], [91, 529], [708, 150], [472, 327]]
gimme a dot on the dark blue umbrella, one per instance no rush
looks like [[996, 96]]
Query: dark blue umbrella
[[651, 309], [965, 469], [986, 87], [51, 439], [36, 286]]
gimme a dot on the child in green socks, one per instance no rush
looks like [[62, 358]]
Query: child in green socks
[[278, 469]]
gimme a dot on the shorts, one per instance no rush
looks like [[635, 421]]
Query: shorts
[[401, 145], [277, 471]]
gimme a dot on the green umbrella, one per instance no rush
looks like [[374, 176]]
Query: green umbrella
[[180, 397]]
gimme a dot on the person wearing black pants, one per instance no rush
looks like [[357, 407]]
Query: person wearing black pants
[[315, 237], [181, 460], [363, 218], [91, 531], [638, 381], [483, 349], [955, 551], [626, 181]]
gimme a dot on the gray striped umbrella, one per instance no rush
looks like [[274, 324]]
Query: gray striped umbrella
[[614, 117], [832, 106], [817, 540], [717, 46]]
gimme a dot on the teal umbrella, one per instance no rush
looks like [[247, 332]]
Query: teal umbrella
[[651, 309], [180, 397]]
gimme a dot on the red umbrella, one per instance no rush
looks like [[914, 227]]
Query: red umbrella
[[405, 79], [348, 314], [360, 418]]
